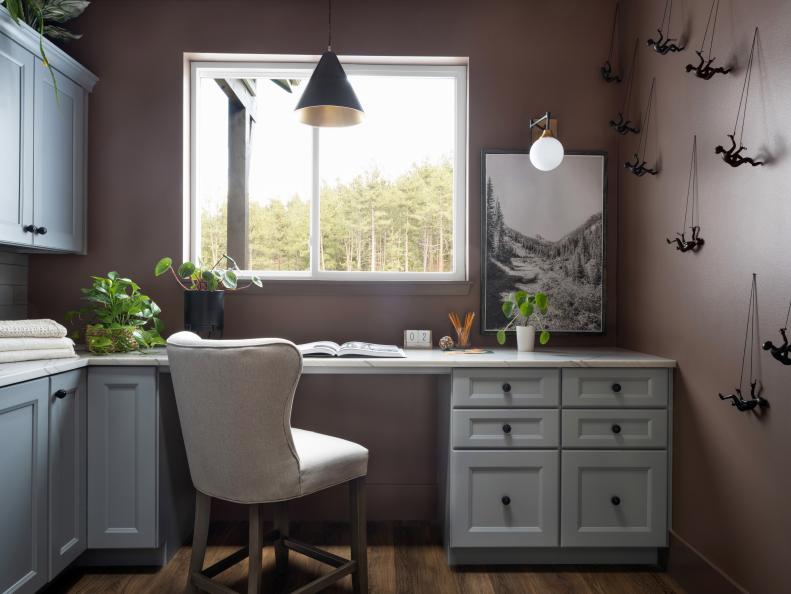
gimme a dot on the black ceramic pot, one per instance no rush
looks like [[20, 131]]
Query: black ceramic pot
[[204, 312]]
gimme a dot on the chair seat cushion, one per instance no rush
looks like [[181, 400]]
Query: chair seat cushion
[[325, 461]]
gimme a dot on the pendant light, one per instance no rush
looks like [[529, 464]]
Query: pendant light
[[547, 152], [329, 99]]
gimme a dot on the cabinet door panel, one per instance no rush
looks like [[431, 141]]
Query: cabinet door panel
[[59, 170], [16, 142], [23, 496], [122, 457], [67, 453]]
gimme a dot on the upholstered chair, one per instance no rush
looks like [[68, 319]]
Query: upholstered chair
[[234, 401]]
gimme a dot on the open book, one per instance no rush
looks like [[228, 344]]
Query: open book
[[327, 348]]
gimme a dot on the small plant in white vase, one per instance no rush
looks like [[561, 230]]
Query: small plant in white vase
[[527, 314]]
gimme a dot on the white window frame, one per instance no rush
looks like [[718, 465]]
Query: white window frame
[[299, 66]]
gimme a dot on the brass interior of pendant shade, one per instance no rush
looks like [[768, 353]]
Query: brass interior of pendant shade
[[330, 116]]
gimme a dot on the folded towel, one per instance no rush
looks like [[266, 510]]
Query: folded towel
[[14, 356], [35, 344], [31, 329]]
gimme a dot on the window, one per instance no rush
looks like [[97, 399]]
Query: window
[[385, 200]]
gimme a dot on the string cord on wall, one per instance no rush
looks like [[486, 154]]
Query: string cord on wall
[[606, 68], [665, 44], [750, 333], [781, 352], [691, 210], [622, 125], [704, 68], [732, 155], [638, 167]]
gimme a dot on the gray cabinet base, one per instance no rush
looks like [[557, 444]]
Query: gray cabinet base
[[554, 556]]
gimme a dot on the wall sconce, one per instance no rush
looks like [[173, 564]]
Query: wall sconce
[[546, 153]]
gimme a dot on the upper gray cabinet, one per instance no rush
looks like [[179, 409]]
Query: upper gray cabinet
[[43, 143]]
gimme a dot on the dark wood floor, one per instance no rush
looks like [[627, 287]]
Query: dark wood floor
[[404, 558]]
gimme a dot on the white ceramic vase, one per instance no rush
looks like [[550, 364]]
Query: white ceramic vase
[[525, 339]]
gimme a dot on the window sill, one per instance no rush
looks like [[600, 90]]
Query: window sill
[[321, 287]]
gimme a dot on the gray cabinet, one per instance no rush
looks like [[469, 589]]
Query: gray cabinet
[[614, 428], [494, 388], [615, 388], [123, 429], [67, 476], [58, 162], [505, 428], [23, 496], [16, 141]]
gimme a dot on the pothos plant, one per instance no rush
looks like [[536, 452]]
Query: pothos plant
[[523, 309], [199, 277], [118, 312]]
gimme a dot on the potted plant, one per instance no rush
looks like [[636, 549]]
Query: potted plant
[[204, 291], [120, 317], [526, 313]]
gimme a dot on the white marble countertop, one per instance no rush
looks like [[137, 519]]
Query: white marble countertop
[[417, 361]]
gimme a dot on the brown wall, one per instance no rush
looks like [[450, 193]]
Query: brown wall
[[519, 67], [730, 476]]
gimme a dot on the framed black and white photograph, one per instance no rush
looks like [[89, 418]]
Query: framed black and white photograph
[[545, 231]]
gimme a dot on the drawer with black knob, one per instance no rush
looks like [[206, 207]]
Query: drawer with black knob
[[504, 498], [614, 428], [614, 499], [495, 388], [615, 388], [505, 428]]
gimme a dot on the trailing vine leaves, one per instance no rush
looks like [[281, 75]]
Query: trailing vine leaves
[[199, 277]]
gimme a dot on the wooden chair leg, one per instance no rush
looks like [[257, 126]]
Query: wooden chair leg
[[256, 549], [200, 537], [359, 540], [281, 525]]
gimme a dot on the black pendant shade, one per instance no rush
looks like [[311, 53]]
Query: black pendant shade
[[329, 100]]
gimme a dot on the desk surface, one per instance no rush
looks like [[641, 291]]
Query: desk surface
[[417, 361]]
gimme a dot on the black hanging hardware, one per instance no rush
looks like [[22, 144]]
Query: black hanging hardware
[[665, 44], [638, 167], [732, 156], [623, 125], [737, 398], [781, 352], [696, 242], [606, 68], [704, 69]]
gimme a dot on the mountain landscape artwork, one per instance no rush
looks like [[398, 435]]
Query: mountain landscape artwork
[[545, 231]]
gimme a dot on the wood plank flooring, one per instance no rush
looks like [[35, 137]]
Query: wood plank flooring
[[403, 558]]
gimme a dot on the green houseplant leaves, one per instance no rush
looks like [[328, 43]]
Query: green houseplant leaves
[[198, 277], [521, 309]]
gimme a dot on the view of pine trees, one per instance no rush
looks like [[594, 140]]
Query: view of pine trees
[[368, 224], [570, 270]]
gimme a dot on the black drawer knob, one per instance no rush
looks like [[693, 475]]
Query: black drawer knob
[[616, 388], [615, 500], [41, 230], [506, 500], [506, 428], [506, 387], [29, 228], [616, 428], [60, 394]]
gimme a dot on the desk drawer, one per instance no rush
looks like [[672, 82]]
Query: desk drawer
[[505, 429], [589, 388], [504, 499], [493, 388], [614, 499], [614, 429]]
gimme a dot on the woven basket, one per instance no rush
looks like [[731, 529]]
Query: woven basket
[[102, 341]]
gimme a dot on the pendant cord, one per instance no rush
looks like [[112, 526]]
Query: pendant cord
[[745, 95], [692, 186], [643, 144], [713, 11], [329, 25], [612, 34], [630, 82]]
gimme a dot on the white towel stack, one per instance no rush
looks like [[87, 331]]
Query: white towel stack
[[27, 340]]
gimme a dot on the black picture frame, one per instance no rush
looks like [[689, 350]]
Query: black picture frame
[[489, 320]]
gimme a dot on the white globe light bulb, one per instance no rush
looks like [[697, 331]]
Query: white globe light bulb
[[547, 152]]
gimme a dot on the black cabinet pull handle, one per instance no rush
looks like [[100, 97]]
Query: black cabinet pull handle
[[506, 500], [29, 228], [41, 230], [616, 428], [615, 500], [616, 388], [506, 428], [61, 394], [506, 387]]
